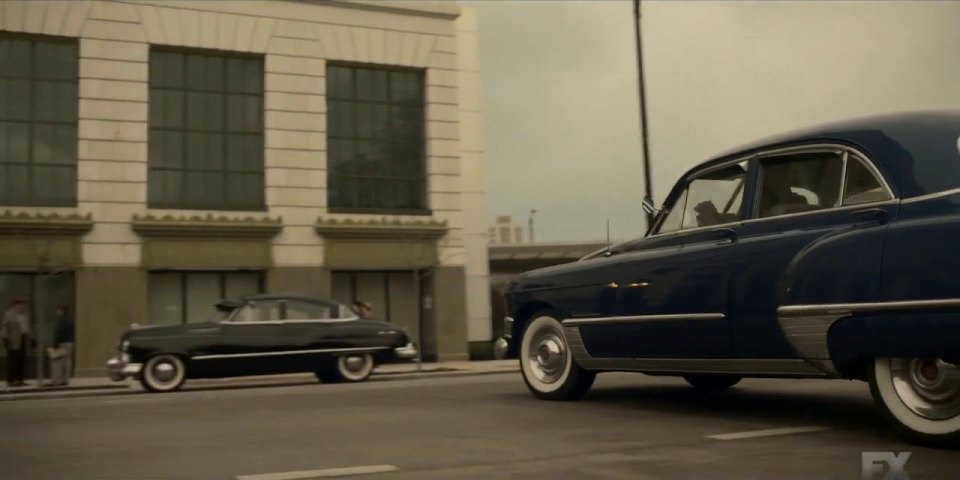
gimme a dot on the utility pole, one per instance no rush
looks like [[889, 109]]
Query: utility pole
[[643, 109], [530, 224]]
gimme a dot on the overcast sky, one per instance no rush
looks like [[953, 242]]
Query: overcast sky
[[560, 94]]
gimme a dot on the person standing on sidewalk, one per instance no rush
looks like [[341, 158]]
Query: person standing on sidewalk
[[15, 331], [61, 357]]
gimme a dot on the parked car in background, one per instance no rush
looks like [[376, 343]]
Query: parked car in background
[[826, 253], [262, 335]]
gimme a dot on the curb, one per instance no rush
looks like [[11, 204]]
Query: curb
[[83, 392]]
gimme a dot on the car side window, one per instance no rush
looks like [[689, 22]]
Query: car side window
[[710, 199], [298, 310], [675, 215], [798, 183], [861, 185], [262, 311]]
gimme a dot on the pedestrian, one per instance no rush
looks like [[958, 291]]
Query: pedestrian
[[61, 356], [15, 331], [364, 309]]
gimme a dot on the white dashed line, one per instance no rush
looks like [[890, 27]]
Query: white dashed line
[[325, 473], [766, 433]]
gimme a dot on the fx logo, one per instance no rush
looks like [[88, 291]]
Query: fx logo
[[871, 465]]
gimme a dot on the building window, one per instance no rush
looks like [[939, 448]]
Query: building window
[[190, 297], [375, 147], [38, 121], [206, 131]]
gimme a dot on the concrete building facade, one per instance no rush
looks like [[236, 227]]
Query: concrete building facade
[[156, 156]]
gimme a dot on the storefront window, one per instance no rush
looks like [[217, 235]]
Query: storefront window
[[189, 297], [44, 293]]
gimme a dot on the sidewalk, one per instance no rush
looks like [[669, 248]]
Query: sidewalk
[[94, 386]]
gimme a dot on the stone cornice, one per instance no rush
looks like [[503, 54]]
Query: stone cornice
[[44, 224], [422, 8], [207, 226], [381, 229]]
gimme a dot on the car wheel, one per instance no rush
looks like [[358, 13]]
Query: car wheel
[[547, 364], [163, 373], [921, 396], [712, 383], [354, 367]]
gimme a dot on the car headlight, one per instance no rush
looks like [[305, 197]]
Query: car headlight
[[125, 346]]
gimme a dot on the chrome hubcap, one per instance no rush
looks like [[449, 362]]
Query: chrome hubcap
[[928, 387], [164, 372], [548, 355], [354, 364]]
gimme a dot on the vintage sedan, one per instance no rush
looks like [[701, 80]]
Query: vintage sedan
[[262, 335], [832, 252]]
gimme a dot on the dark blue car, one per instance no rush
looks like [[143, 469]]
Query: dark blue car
[[827, 253]]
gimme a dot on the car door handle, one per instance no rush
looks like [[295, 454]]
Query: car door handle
[[726, 235], [875, 213]]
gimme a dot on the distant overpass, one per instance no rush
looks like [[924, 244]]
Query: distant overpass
[[511, 259]]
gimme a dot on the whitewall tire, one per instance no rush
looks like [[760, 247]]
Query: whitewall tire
[[546, 363], [920, 396], [355, 367], [163, 373]]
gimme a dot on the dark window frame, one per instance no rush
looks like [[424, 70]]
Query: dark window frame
[[420, 178], [257, 204], [31, 200], [222, 279]]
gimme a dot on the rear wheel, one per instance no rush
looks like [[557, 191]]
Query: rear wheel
[[355, 367], [920, 396], [712, 383], [163, 373], [546, 363]]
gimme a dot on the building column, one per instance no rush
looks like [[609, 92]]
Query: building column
[[109, 299], [445, 323]]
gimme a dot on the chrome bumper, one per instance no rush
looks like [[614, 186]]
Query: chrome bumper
[[500, 348], [406, 352], [120, 368]]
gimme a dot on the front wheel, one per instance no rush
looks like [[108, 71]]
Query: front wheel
[[712, 383], [547, 365], [163, 373], [348, 368], [920, 396]]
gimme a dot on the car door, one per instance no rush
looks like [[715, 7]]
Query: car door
[[815, 237], [251, 339], [670, 289], [307, 331]]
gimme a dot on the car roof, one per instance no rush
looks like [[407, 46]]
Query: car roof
[[918, 151], [234, 302]]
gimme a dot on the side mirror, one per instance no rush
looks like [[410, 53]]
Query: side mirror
[[649, 206]]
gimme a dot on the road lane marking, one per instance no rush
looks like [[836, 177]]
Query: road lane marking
[[325, 473], [767, 433]]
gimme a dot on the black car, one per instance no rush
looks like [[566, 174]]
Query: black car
[[262, 335]]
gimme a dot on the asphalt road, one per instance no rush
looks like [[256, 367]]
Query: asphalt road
[[478, 427]]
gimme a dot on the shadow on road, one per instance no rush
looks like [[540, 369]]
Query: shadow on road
[[841, 411]]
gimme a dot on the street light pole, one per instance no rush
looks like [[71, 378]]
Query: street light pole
[[643, 109], [530, 224]]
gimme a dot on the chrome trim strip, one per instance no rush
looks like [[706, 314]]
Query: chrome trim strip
[[858, 206], [641, 318], [930, 196], [787, 367], [282, 322], [288, 352], [806, 326], [847, 308]]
